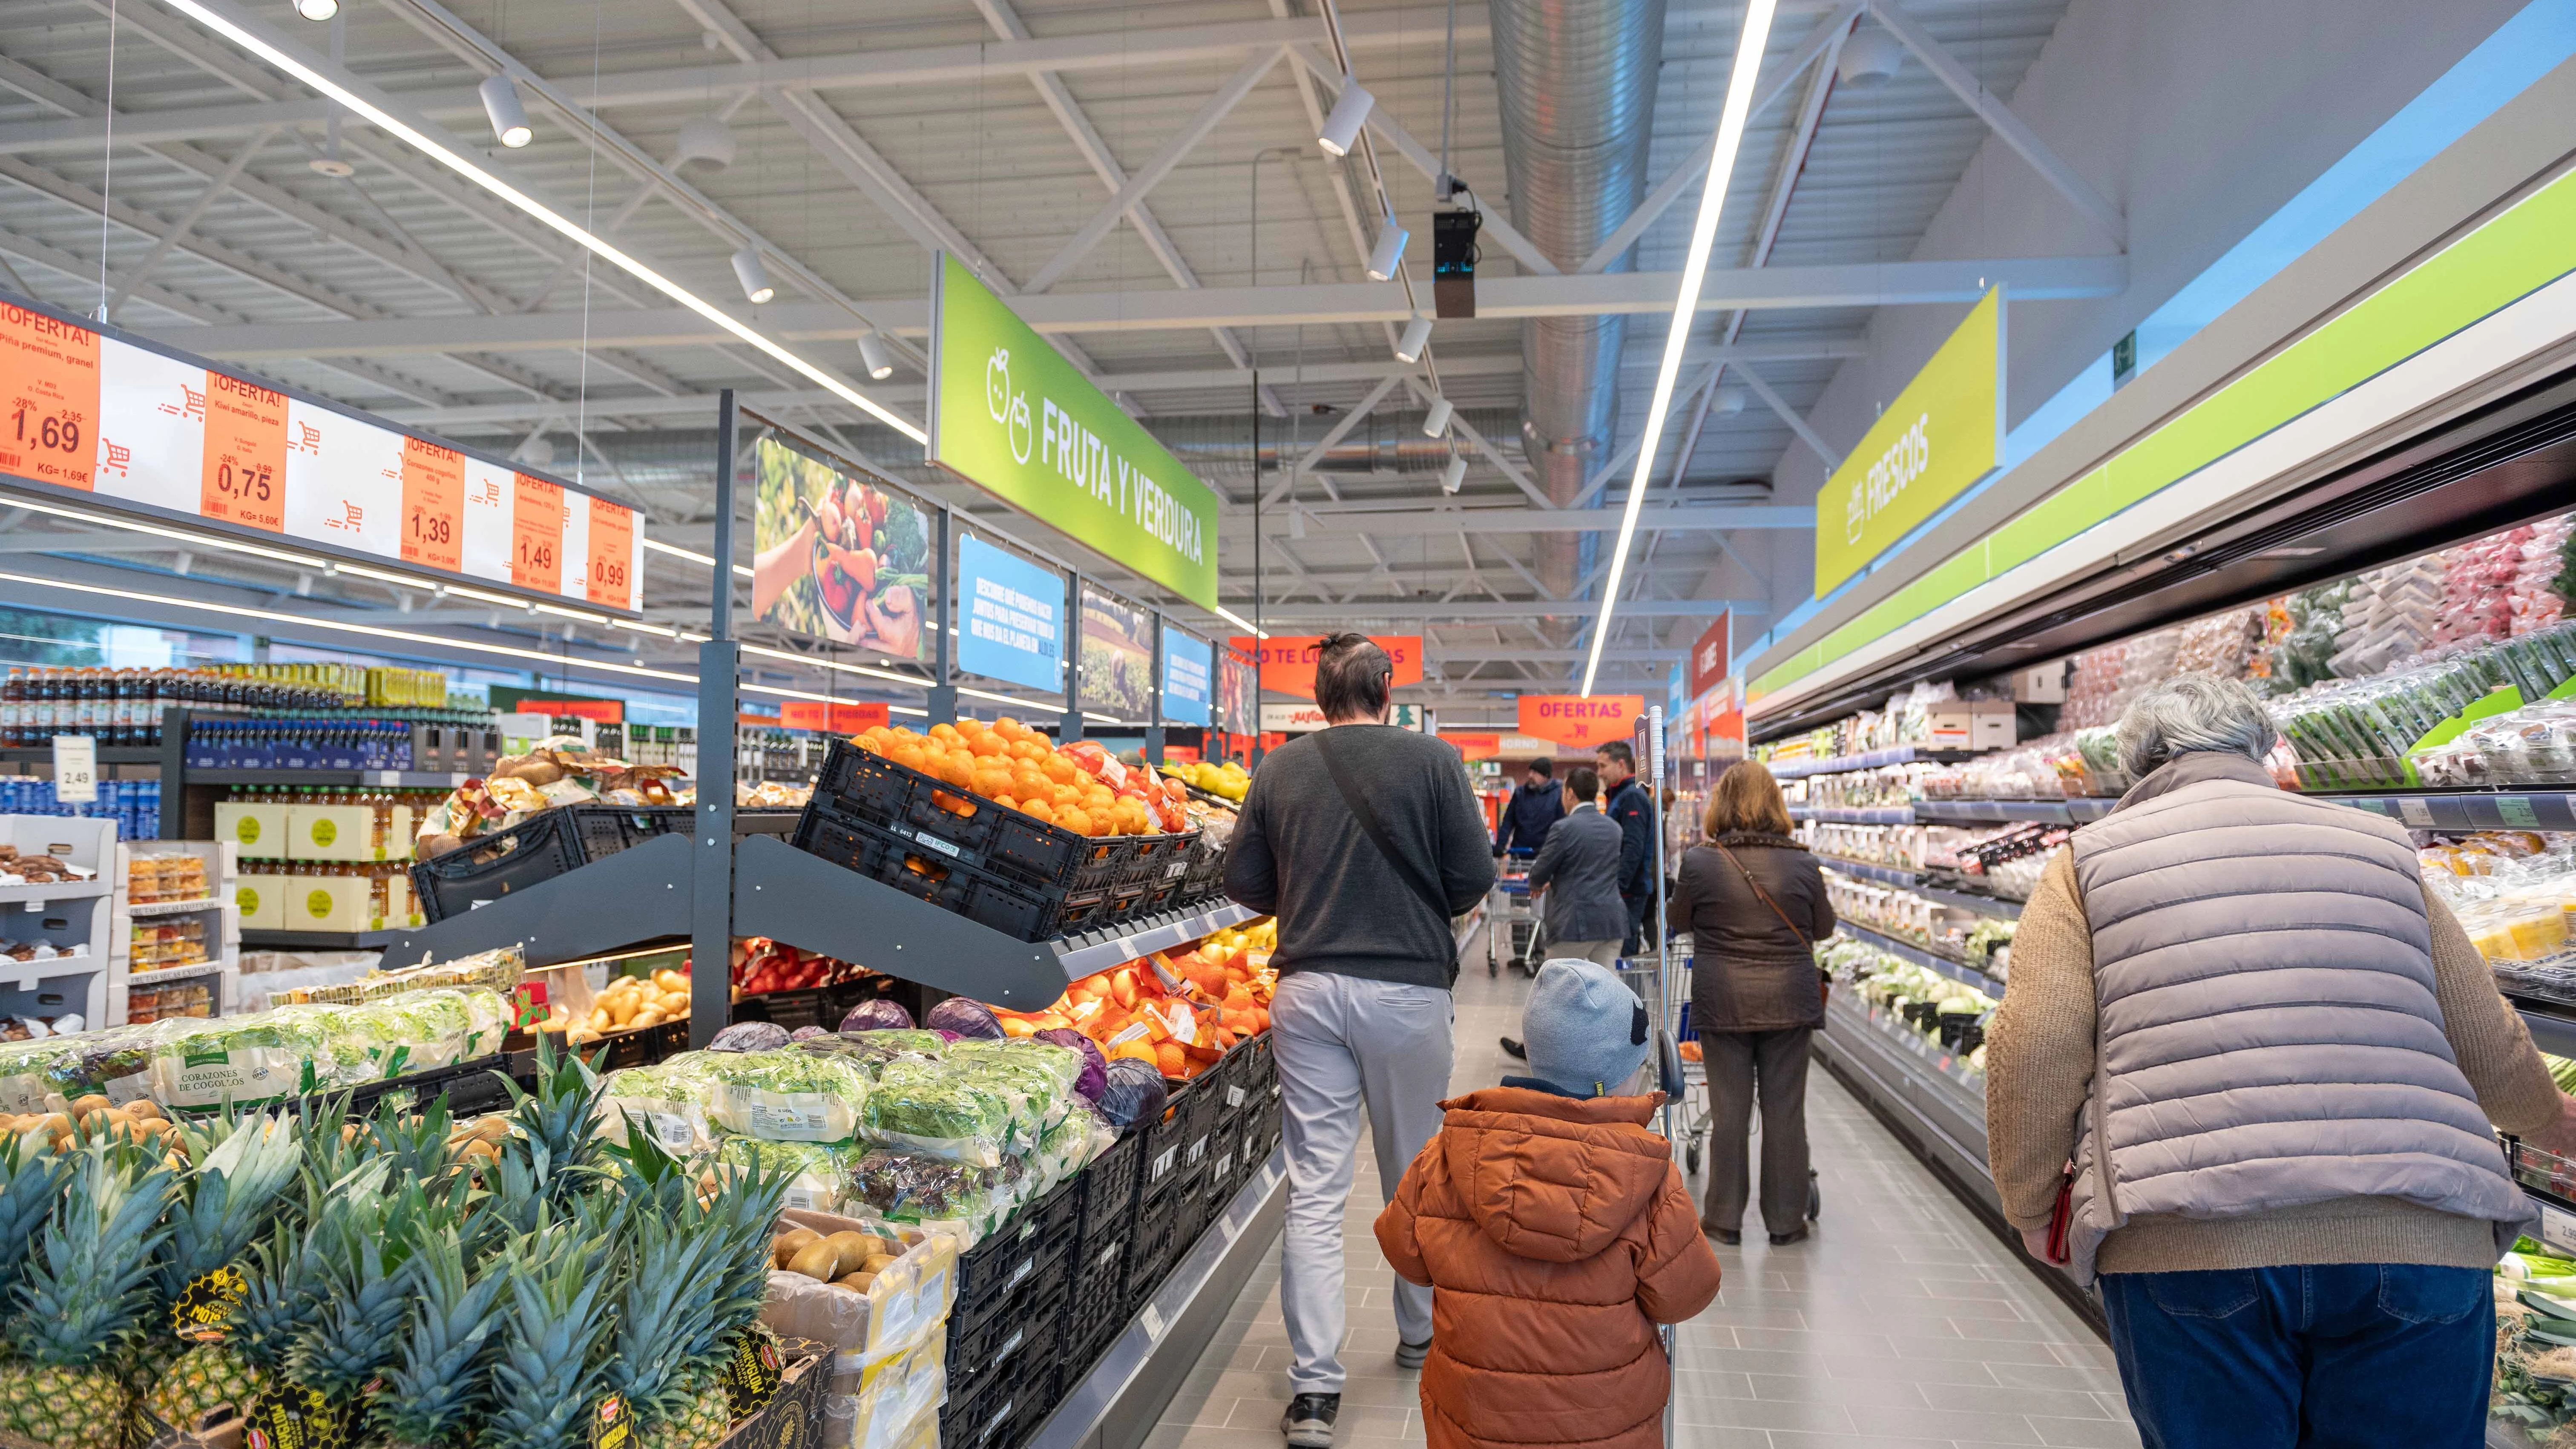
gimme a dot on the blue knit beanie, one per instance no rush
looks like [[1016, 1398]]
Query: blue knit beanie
[[1585, 1030]]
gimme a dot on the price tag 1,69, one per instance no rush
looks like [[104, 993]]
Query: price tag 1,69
[[75, 768]]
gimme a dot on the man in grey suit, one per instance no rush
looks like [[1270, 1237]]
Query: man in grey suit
[[1577, 872]]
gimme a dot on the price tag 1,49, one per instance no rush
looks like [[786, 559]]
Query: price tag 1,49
[[75, 768]]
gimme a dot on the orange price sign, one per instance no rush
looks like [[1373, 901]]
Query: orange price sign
[[49, 391], [536, 535], [433, 486], [245, 463], [1580, 720], [611, 578]]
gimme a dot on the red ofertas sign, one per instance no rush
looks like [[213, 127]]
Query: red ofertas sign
[[1581, 720], [1708, 658], [1288, 660]]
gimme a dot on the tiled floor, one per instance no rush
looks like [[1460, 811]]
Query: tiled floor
[[1901, 1324]]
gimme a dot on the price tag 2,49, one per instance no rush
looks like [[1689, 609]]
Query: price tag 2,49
[[75, 768]]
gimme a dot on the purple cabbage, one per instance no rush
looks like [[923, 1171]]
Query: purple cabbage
[[964, 1017], [805, 1033], [749, 1036], [1132, 1092], [1095, 1067], [879, 1014]]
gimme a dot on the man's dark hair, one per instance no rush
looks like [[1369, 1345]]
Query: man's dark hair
[[1351, 678], [1585, 782], [1618, 750], [1543, 767]]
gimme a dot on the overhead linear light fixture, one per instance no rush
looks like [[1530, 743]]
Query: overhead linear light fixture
[[1237, 620], [1712, 203], [1342, 127], [702, 560], [412, 136], [501, 104], [317, 10], [1455, 474], [1388, 253], [874, 358], [1436, 421], [1417, 336], [754, 277]]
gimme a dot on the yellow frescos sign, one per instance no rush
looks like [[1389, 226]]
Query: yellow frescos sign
[[1943, 433]]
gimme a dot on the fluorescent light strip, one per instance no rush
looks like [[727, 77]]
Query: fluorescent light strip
[[1237, 621], [194, 540], [1098, 718], [383, 120], [1712, 201], [692, 555], [826, 698], [833, 664], [303, 621]]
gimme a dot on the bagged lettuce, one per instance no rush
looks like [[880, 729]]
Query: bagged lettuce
[[784, 1094], [668, 1101], [905, 1187], [817, 1172], [262, 1057], [938, 1110]]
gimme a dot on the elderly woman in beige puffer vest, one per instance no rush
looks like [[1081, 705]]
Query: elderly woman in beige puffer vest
[[2243, 1078]]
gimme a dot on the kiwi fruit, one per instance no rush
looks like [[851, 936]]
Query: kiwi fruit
[[784, 1247], [815, 1260]]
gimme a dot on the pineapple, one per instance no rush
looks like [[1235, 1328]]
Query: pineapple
[[733, 1224], [553, 1333], [31, 1181], [82, 1300], [441, 1382], [238, 1187]]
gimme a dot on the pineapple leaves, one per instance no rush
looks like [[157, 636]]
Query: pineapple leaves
[[86, 1288]]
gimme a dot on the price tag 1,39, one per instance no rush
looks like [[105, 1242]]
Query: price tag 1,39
[[75, 768], [433, 486]]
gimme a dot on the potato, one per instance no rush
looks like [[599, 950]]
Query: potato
[[621, 1010], [674, 1004], [600, 1020], [143, 1107], [670, 980], [815, 1260], [494, 1128], [646, 1016], [91, 1103], [788, 1244], [478, 1152]]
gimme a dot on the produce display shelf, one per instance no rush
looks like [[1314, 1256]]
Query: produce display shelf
[[25, 974], [2541, 809], [175, 908], [153, 976], [1864, 870], [2552, 1024], [32, 897], [322, 779], [1124, 1394], [1868, 760], [1854, 815], [2079, 810], [1908, 951], [263, 939], [1906, 1077], [1971, 901]]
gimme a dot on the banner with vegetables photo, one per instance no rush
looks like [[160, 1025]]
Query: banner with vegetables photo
[[1117, 657], [838, 556]]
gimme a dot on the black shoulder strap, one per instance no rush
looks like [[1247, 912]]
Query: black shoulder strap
[[1357, 800]]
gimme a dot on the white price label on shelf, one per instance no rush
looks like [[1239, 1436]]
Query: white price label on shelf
[[2415, 812], [75, 769]]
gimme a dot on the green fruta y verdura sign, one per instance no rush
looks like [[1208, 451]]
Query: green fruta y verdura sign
[[1010, 414]]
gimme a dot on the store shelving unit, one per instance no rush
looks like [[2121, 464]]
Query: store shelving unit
[[1869, 760], [1865, 870], [1970, 901], [1905, 950], [72, 917], [221, 970]]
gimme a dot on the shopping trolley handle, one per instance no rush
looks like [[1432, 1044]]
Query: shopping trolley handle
[[1668, 1063]]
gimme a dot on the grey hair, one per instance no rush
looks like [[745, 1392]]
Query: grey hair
[[2190, 713]]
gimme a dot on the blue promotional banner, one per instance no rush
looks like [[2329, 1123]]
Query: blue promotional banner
[[1011, 624], [1188, 663]]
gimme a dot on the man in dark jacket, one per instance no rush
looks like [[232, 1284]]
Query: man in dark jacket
[[1633, 810], [1533, 809], [1578, 871], [1366, 956]]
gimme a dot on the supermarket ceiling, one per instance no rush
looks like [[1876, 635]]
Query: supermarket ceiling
[[1100, 163]]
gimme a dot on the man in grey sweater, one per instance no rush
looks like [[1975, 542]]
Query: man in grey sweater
[[1364, 841]]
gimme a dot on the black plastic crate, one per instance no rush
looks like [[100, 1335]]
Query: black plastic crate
[[1109, 1189], [1015, 1258], [1026, 912], [470, 1087], [1002, 1408], [1003, 1342], [539, 848], [1096, 1304], [1155, 1247], [868, 786], [1176, 1142]]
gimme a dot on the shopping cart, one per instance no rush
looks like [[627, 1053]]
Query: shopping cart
[[1512, 935]]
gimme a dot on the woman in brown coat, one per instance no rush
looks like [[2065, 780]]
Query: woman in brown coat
[[1754, 903]]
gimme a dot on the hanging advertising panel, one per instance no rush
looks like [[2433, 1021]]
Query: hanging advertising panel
[[1010, 414], [1941, 434], [1117, 657], [1237, 691], [90, 412], [836, 556], [1010, 616], [1580, 720], [1187, 665], [1288, 660]]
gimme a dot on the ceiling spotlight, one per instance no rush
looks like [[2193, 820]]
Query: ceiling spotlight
[[331, 166], [753, 276], [1388, 254], [1342, 128], [1729, 400], [1436, 421], [707, 139], [537, 451], [1870, 58], [317, 9], [1417, 336], [873, 356], [1454, 474], [509, 118]]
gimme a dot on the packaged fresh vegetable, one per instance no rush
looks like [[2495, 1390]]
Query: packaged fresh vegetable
[[964, 1017], [667, 1100], [817, 1173], [241, 1060], [1095, 1067], [965, 1200], [935, 1110], [749, 1036], [869, 1051], [782, 1095], [1132, 1092], [878, 1014]]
